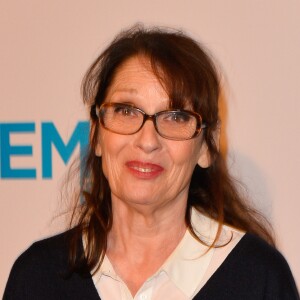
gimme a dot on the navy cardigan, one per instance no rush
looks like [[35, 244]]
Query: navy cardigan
[[253, 270]]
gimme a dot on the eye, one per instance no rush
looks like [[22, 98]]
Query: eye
[[125, 111], [177, 117]]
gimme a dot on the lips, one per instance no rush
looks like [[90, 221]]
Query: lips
[[144, 170]]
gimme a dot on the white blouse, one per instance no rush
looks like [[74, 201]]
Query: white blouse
[[183, 274]]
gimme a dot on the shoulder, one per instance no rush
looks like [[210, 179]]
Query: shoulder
[[46, 253], [40, 272], [255, 253], [264, 262], [253, 270], [258, 252]]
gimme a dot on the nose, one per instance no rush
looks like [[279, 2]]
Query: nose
[[147, 139]]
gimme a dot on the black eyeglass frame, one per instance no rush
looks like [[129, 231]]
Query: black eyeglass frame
[[200, 125]]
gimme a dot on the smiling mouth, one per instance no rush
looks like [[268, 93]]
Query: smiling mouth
[[144, 170]]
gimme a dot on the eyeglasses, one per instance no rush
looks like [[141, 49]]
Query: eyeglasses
[[127, 119]]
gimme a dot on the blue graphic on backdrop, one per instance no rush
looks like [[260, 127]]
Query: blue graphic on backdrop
[[49, 137]]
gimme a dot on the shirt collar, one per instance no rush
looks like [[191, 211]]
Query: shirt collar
[[190, 260], [107, 269]]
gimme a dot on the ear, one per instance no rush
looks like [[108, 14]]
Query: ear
[[205, 160], [98, 149]]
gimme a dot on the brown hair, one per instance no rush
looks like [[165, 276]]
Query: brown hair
[[188, 74]]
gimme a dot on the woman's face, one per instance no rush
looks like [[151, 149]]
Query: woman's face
[[145, 169]]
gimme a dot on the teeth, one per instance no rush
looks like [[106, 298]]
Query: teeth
[[144, 170]]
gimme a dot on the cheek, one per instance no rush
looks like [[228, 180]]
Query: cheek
[[111, 147], [186, 154], [111, 169], [183, 159]]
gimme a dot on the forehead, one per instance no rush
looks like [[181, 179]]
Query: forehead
[[136, 68], [136, 77]]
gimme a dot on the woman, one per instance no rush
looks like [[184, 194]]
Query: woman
[[161, 218]]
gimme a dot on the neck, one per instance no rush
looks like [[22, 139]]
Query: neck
[[146, 227], [142, 238]]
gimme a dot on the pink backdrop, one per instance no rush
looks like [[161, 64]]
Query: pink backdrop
[[46, 47]]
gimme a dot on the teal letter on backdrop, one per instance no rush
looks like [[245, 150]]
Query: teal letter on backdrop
[[8, 150], [50, 136]]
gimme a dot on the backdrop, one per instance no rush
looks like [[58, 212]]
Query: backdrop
[[46, 46]]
